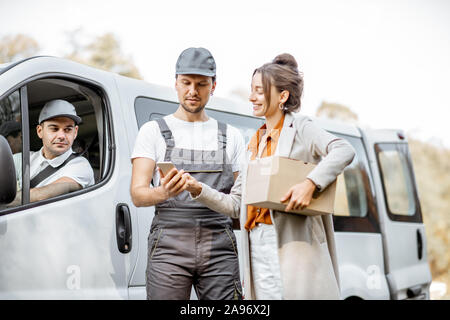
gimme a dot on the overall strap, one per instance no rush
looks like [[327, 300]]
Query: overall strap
[[222, 139], [168, 137]]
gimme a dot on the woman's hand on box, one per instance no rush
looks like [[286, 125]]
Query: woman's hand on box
[[299, 195]]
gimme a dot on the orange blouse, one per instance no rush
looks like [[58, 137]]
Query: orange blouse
[[269, 143]]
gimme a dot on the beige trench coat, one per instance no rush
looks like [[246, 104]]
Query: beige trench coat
[[306, 245]]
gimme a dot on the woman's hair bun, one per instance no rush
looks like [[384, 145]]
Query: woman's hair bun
[[286, 59]]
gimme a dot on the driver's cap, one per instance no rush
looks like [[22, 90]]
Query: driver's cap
[[58, 108]]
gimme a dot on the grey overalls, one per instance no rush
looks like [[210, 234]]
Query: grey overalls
[[190, 244]]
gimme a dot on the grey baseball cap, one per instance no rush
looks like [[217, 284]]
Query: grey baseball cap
[[196, 61], [58, 108]]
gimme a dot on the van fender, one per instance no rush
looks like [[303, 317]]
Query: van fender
[[366, 284]]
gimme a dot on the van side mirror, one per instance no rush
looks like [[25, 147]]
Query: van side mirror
[[8, 183]]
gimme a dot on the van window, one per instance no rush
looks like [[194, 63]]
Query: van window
[[88, 140], [397, 176], [354, 209], [351, 199], [11, 128], [246, 125], [397, 182], [351, 188], [150, 109]]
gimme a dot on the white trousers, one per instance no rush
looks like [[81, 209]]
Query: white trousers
[[264, 263]]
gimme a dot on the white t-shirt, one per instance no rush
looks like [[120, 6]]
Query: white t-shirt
[[197, 135], [77, 169]]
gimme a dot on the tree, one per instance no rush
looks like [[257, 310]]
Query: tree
[[336, 111], [103, 53], [14, 48]]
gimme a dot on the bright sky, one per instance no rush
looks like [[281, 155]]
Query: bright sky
[[387, 60]]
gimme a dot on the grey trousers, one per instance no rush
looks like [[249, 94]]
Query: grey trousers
[[187, 250]]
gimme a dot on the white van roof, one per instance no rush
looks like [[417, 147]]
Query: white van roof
[[385, 135]]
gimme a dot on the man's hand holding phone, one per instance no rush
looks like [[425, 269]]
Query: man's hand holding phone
[[173, 183]]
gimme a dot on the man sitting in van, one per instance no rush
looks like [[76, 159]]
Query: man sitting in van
[[55, 169]]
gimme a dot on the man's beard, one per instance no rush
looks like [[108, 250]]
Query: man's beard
[[196, 110], [53, 152]]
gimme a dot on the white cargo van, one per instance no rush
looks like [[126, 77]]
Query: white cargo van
[[92, 243]]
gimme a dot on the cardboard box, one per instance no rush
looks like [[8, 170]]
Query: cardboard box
[[270, 178]]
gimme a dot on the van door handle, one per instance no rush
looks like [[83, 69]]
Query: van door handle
[[123, 228], [419, 245]]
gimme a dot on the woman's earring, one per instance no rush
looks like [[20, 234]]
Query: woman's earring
[[281, 106]]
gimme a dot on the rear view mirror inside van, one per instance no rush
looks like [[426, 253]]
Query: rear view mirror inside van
[[8, 184]]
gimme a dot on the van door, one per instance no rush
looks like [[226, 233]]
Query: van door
[[76, 245], [400, 215], [359, 245]]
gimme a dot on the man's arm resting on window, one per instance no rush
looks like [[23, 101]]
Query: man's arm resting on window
[[61, 186]]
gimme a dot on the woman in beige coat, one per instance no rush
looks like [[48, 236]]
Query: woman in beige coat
[[285, 256]]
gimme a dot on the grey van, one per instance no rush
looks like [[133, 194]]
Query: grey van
[[92, 243]]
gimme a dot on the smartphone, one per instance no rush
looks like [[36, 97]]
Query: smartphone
[[165, 167]]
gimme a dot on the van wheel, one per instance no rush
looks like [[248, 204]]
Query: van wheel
[[353, 298]]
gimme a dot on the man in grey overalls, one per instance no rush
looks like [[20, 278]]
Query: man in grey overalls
[[188, 245]]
